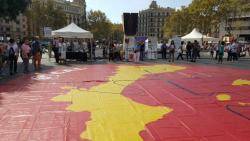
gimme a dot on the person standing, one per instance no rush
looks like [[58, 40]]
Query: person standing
[[62, 50], [75, 46], [188, 50], [1, 58], [111, 52], [248, 49], [199, 51], [116, 52], [26, 55], [171, 51], [13, 53], [36, 53], [164, 50], [91, 49], [234, 48], [142, 51], [229, 52], [180, 51], [217, 50], [221, 52], [56, 49], [137, 53], [195, 51], [211, 52]]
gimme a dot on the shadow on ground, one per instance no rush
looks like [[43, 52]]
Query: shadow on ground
[[20, 81]]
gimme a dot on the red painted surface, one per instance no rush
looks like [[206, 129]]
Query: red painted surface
[[27, 113]]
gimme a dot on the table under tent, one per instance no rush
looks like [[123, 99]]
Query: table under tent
[[73, 32]]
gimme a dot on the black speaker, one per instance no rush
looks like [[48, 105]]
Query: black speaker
[[130, 23]]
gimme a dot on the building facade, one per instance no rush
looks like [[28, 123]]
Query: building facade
[[75, 10], [151, 21], [19, 28], [15, 29], [239, 27]]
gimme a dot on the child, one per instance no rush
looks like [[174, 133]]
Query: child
[[212, 52]]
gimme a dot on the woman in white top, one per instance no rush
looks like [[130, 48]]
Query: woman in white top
[[62, 49]]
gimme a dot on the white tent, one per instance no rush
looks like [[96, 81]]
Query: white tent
[[72, 31], [196, 35]]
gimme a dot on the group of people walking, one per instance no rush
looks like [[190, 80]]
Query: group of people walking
[[232, 49], [10, 53], [191, 50]]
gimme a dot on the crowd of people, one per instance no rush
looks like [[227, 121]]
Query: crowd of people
[[12, 51], [27, 50], [233, 50], [114, 51], [192, 51], [139, 52], [60, 47]]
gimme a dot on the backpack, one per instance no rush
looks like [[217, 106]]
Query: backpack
[[35, 47], [11, 53]]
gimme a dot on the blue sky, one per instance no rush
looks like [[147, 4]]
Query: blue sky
[[115, 8]]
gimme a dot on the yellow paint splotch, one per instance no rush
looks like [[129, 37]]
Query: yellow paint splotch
[[115, 117], [223, 97], [241, 82]]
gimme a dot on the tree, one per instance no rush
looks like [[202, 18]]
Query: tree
[[206, 15], [99, 25], [45, 15], [117, 32], [12, 8], [178, 23], [55, 17]]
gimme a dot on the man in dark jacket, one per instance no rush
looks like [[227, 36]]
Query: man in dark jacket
[[142, 51], [189, 48], [195, 51], [164, 50], [13, 52]]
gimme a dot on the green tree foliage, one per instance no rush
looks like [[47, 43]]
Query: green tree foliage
[[117, 32], [177, 24], [99, 25], [12, 8], [206, 15], [45, 15]]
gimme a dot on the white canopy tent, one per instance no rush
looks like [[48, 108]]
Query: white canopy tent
[[196, 35], [72, 31]]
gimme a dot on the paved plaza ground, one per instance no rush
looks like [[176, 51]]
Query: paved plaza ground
[[149, 101]]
